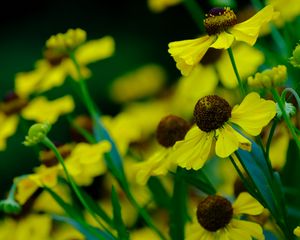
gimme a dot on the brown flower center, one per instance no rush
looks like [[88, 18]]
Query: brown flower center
[[12, 104], [54, 57], [211, 56], [211, 112], [171, 129], [219, 20], [214, 213]]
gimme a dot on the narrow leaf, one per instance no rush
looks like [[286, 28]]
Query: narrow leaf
[[120, 226], [159, 193]]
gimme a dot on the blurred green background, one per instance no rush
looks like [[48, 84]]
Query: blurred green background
[[141, 37]]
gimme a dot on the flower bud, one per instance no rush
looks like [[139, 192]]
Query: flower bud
[[10, 206], [37, 133], [295, 59]]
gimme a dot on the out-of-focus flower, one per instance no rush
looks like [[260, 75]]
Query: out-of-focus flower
[[297, 231], [218, 218], [56, 66], [269, 77], [160, 5], [144, 82], [33, 226], [289, 10], [169, 130], [214, 118], [295, 59], [39, 109], [84, 163], [222, 28]]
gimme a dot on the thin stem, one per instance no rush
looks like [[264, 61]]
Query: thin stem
[[48, 143], [271, 134], [293, 92], [242, 89], [285, 116], [196, 13]]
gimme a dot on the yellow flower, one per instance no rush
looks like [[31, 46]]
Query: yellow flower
[[64, 42], [169, 130], [56, 66], [217, 218], [160, 5], [86, 161], [39, 109], [32, 226], [297, 231], [214, 118], [143, 82], [269, 77], [222, 28], [289, 10]]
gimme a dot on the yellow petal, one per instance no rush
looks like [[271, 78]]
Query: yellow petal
[[188, 53], [157, 164], [41, 110], [25, 188], [193, 151], [95, 50], [246, 65], [245, 229], [297, 231], [248, 31], [224, 41], [246, 204], [253, 113], [229, 140], [8, 126]]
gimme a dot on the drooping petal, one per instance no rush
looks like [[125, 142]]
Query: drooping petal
[[188, 53], [246, 229], [253, 113], [95, 50], [193, 151], [229, 141], [41, 110], [246, 204], [224, 41], [248, 31], [157, 164]]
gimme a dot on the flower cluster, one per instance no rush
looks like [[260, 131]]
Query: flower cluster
[[213, 154]]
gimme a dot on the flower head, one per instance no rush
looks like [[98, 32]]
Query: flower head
[[222, 28], [9, 205], [214, 120], [269, 78], [37, 133], [64, 42], [218, 218], [295, 59], [170, 129], [297, 231]]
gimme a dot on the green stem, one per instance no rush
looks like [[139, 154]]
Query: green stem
[[271, 134], [93, 111], [285, 116], [293, 92], [242, 89], [196, 13], [119, 173], [48, 143]]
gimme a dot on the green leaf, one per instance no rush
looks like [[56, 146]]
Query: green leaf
[[256, 165], [159, 193], [79, 226], [178, 210], [96, 208], [77, 217], [120, 226], [198, 179]]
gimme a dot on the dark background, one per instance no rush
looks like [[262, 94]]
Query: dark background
[[141, 37]]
